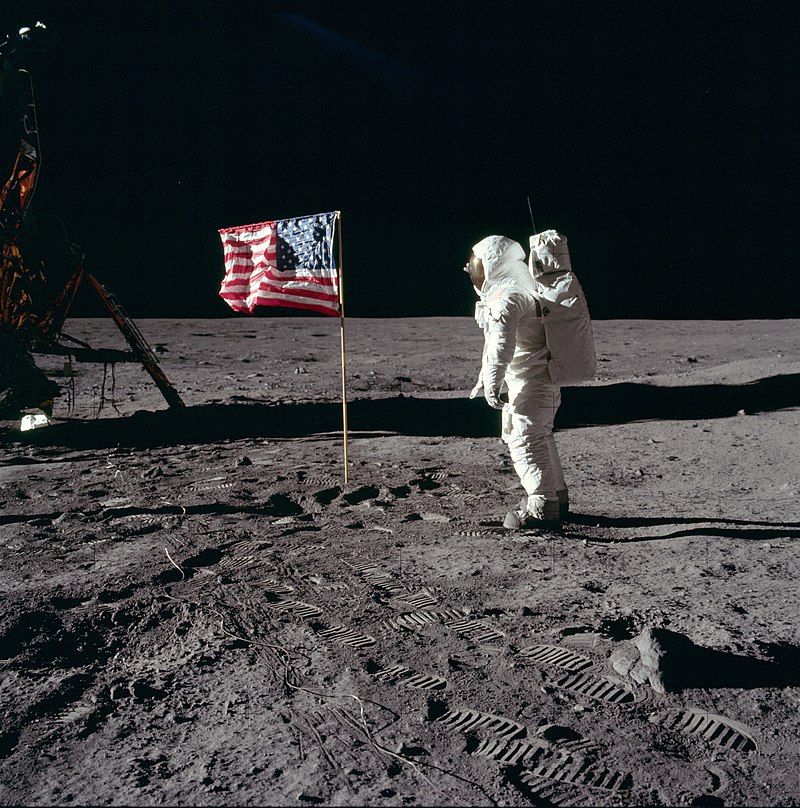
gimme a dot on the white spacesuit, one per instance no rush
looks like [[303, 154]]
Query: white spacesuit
[[515, 358]]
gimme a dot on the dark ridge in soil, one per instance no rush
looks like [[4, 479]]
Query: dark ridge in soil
[[582, 406]]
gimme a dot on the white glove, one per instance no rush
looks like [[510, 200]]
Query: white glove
[[493, 399], [478, 389]]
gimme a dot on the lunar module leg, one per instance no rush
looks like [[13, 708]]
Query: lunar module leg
[[138, 344]]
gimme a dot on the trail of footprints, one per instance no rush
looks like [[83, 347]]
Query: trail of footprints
[[575, 772], [297, 607], [715, 729], [510, 753], [275, 587], [542, 761], [548, 769], [578, 682], [411, 621], [529, 752], [400, 674], [476, 630], [346, 636], [473, 720], [220, 483], [560, 657], [558, 773]]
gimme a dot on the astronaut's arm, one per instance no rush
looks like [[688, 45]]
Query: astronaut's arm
[[501, 340]]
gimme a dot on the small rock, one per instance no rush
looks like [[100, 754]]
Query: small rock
[[115, 502], [434, 517], [300, 369], [373, 505], [244, 461], [691, 359], [153, 472], [741, 413]]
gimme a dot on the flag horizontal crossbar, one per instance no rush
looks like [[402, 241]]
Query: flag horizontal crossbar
[[331, 214]]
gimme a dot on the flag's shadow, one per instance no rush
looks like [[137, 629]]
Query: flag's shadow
[[405, 415]]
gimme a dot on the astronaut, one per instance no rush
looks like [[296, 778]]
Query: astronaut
[[515, 360]]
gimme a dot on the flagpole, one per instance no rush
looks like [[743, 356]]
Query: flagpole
[[344, 355]]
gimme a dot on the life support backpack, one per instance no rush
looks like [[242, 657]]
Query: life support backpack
[[567, 325]]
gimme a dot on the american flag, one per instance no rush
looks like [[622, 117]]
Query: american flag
[[286, 262]]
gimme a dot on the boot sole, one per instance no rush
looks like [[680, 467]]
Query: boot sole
[[514, 522]]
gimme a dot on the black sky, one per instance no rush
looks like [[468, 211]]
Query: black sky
[[660, 137]]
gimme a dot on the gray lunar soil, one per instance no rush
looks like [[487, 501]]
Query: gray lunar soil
[[197, 610]]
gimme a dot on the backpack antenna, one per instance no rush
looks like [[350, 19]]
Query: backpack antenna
[[530, 210]]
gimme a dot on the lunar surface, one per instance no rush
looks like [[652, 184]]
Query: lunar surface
[[198, 610]]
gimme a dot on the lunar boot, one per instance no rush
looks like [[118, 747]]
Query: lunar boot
[[534, 512]]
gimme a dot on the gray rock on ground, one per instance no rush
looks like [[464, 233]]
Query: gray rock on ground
[[657, 657]]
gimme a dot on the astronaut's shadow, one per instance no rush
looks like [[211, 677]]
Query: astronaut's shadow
[[757, 530], [406, 415], [626, 402]]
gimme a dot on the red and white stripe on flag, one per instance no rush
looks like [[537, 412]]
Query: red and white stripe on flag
[[258, 274]]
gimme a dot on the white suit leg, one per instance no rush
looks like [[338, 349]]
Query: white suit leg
[[531, 443], [555, 464], [507, 426]]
